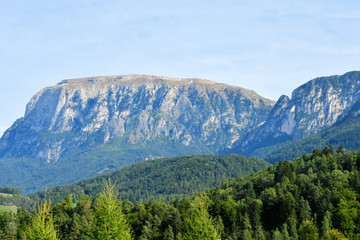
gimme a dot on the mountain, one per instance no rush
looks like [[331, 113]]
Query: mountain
[[345, 132], [83, 127], [314, 106], [165, 178]]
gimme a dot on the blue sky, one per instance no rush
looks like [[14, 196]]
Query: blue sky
[[271, 47]]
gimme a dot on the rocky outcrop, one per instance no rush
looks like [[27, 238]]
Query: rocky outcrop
[[194, 114], [314, 106], [84, 127], [82, 113]]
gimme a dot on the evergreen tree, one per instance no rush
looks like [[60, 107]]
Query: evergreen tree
[[42, 224], [259, 233], [334, 234], [326, 223], [285, 233], [292, 226], [348, 215], [340, 149], [109, 221], [63, 217], [199, 225], [7, 226], [308, 231], [247, 229], [305, 210], [277, 235], [83, 218], [169, 234], [147, 232]]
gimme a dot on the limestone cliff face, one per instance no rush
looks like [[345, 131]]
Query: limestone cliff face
[[89, 112], [316, 105], [194, 114]]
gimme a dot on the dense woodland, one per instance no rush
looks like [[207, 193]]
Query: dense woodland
[[162, 179], [313, 197]]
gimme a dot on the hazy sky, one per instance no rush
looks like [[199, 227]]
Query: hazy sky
[[269, 46]]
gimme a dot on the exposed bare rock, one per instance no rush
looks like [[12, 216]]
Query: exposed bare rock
[[314, 106], [85, 112]]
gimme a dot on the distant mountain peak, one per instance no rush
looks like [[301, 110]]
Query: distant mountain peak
[[134, 79], [315, 105], [86, 125], [196, 113]]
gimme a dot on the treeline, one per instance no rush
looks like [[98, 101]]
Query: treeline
[[314, 197], [10, 190], [162, 179], [11, 196], [17, 200]]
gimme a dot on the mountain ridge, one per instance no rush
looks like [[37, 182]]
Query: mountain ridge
[[313, 106], [92, 125]]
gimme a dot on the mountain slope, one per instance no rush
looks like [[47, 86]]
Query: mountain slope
[[83, 127], [314, 106], [138, 108], [345, 132], [166, 178]]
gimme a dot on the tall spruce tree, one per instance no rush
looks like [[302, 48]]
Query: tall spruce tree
[[308, 231], [109, 221], [42, 224], [199, 225]]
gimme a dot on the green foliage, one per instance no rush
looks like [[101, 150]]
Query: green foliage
[[14, 201], [326, 223], [10, 190], [163, 179], [109, 220], [7, 225], [32, 175], [308, 231], [348, 212], [8, 208], [198, 223], [313, 197], [334, 234], [42, 224]]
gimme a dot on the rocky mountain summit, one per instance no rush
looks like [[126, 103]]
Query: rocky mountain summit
[[314, 106], [83, 127], [77, 113]]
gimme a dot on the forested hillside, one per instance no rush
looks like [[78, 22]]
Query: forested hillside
[[11, 199], [165, 178], [314, 197]]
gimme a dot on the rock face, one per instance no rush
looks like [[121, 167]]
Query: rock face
[[84, 127], [90, 112], [314, 106]]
